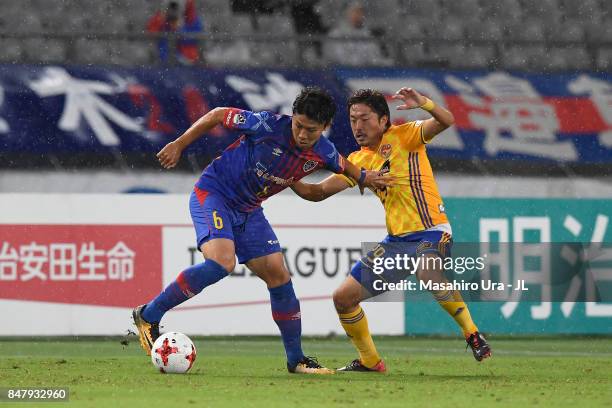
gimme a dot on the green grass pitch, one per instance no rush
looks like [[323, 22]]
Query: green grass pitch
[[250, 372]]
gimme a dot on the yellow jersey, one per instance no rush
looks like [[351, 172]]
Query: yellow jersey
[[413, 203]]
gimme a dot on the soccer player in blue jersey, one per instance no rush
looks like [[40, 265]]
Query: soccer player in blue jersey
[[273, 152]]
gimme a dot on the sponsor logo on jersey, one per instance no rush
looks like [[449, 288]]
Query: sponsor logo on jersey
[[441, 209], [262, 172], [386, 167], [277, 151], [385, 150], [310, 165]]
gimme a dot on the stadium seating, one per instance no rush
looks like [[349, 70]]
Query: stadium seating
[[43, 50], [570, 31], [477, 57], [604, 59], [486, 30], [11, 50], [466, 33], [583, 10], [92, 51]]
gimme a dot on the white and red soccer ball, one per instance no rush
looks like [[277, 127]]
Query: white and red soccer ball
[[173, 353]]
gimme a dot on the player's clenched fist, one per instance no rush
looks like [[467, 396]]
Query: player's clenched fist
[[169, 156]]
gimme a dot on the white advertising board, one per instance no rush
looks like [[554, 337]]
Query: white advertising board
[[320, 241]]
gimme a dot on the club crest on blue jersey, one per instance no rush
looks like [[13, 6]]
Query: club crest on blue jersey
[[310, 165]]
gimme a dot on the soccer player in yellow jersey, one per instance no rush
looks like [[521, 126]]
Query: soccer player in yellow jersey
[[414, 212]]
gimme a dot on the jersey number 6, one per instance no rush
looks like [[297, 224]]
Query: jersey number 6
[[217, 220]]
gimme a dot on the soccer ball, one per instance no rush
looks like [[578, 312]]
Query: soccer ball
[[173, 353]]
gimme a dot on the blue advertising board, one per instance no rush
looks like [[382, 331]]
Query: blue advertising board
[[499, 115]]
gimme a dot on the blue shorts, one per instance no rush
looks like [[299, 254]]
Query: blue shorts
[[413, 245], [213, 218]]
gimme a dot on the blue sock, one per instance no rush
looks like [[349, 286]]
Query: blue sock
[[286, 314], [189, 283]]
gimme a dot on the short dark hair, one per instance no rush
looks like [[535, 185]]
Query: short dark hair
[[374, 99], [316, 104]]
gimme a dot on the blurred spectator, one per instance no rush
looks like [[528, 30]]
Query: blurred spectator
[[308, 22], [306, 19], [352, 43], [256, 6], [171, 21]]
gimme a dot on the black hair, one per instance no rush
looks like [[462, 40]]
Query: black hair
[[316, 104], [374, 99]]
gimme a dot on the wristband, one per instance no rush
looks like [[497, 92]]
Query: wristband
[[429, 105], [362, 177]]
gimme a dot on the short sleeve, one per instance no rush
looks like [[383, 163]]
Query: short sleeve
[[248, 122], [353, 158], [411, 134], [332, 160]]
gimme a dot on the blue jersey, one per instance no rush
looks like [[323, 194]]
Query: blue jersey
[[264, 160]]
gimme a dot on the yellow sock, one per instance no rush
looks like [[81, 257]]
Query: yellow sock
[[355, 325], [453, 303]]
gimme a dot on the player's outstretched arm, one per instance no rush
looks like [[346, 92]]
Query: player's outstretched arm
[[320, 191], [441, 118], [170, 155]]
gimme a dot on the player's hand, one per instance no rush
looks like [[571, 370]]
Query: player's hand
[[377, 181], [411, 99], [170, 155]]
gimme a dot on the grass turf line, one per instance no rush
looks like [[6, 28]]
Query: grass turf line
[[250, 372]]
